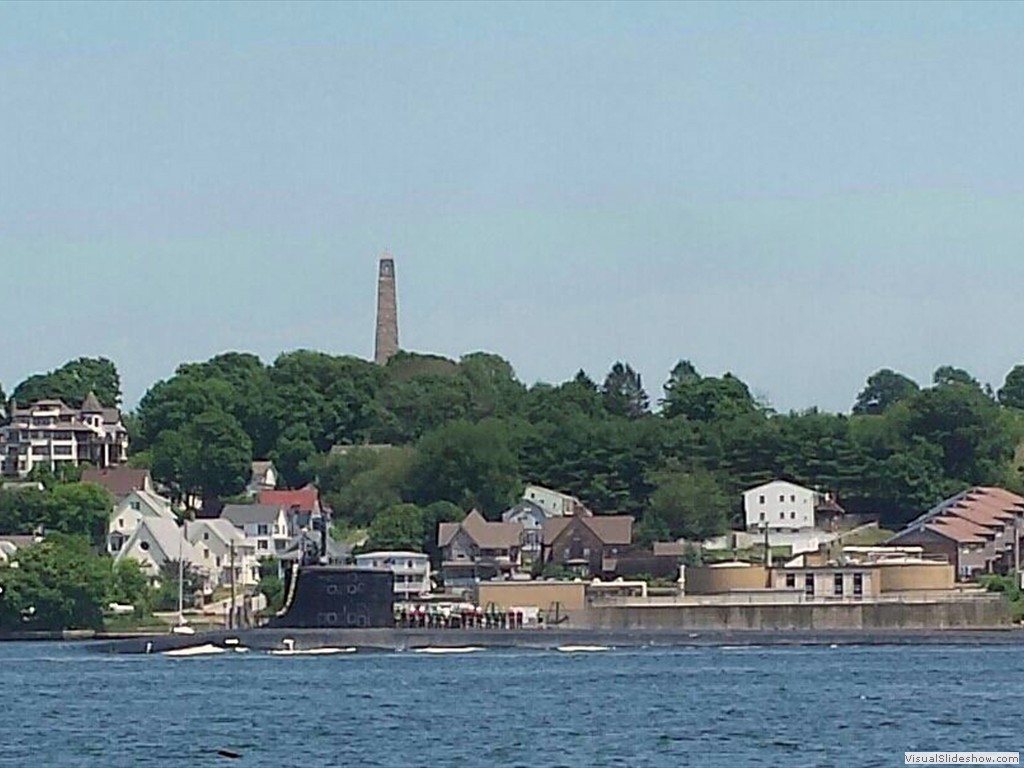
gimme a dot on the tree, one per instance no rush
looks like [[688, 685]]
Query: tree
[[292, 456], [948, 375], [623, 392], [398, 527], [222, 458], [72, 382], [472, 465], [651, 529], [271, 585], [705, 398], [884, 389], [364, 481], [81, 509], [494, 389], [691, 505], [59, 583], [1011, 394]]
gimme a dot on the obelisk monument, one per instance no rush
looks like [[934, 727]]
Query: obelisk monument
[[386, 343]]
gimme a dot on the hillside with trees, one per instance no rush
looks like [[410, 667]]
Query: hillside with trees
[[400, 447]]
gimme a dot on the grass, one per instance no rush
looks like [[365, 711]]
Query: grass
[[867, 537]]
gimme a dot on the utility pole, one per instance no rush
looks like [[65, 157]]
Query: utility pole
[[181, 574], [231, 617]]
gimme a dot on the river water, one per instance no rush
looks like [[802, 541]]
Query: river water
[[817, 706]]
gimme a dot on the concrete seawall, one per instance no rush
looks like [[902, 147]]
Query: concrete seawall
[[978, 613]]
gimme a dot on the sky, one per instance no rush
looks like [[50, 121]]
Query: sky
[[799, 194]]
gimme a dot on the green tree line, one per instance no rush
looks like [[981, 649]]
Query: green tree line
[[469, 433]]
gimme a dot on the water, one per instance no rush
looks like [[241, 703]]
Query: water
[[653, 707]]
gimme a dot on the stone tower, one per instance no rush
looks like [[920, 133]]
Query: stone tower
[[386, 343]]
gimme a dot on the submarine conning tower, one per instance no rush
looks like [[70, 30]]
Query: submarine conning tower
[[337, 597]]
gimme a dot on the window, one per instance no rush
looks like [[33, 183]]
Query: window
[[782, 497], [261, 530], [782, 515], [206, 535], [217, 561], [790, 581], [809, 584], [792, 497], [144, 546], [858, 583], [408, 563], [762, 515], [760, 499], [135, 505], [62, 450], [792, 515], [838, 583], [261, 544], [120, 522], [586, 551]]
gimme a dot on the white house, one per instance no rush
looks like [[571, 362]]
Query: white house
[[781, 505], [129, 511], [411, 569], [554, 503], [217, 543], [156, 541], [263, 477], [266, 524]]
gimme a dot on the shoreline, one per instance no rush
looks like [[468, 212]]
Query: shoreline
[[398, 640]]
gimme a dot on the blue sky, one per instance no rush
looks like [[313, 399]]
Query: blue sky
[[798, 193]]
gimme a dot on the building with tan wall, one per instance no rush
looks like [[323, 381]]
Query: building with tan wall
[[567, 595]]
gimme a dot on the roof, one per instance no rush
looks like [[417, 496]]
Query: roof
[[120, 481], [220, 527], [485, 534], [245, 514], [166, 536], [970, 516], [526, 507], [307, 498], [959, 530], [609, 529], [386, 554], [337, 552], [91, 404], [156, 505], [778, 481], [260, 468]]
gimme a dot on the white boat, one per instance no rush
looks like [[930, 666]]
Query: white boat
[[196, 650], [441, 651], [583, 648], [311, 651]]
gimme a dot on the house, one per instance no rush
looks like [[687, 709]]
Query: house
[[302, 506], [220, 546], [155, 542], [782, 506], [588, 545], [531, 517], [130, 511], [411, 569], [478, 549], [556, 504], [119, 481], [977, 530], [262, 477], [49, 433], [266, 524]]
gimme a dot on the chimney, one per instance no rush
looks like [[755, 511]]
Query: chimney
[[386, 343]]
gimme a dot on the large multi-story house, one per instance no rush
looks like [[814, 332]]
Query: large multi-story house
[[477, 549], [49, 433], [538, 505], [589, 546]]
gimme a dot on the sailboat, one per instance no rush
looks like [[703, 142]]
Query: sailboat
[[181, 628]]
